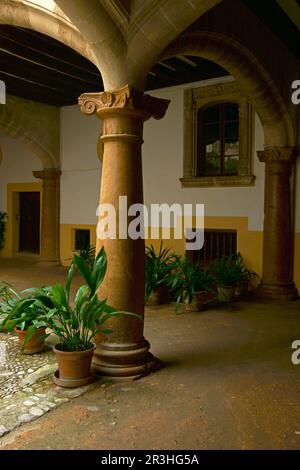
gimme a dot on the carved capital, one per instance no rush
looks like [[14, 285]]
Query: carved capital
[[277, 154], [47, 174], [126, 99]]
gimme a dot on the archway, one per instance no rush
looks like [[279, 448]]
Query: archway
[[278, 156], [249, 72]]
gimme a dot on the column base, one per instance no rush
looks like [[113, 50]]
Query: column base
[[125, 362], [277, 291]]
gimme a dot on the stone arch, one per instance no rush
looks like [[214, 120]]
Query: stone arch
[[35, 125], [243, 65], [26, 14]]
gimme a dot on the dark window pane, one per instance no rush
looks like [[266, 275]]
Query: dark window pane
[[231, 112], [231, 130], [231, 165], [211, 132], [232, 148], [213, 159], [211, 114], [82, 239], [219, 140]]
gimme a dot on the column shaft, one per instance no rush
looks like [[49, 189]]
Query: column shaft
[[277, 279], [50, 214], [125, 352]]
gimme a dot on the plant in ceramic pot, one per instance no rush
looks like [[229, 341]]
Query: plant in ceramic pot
[[226, 276], [22, 316], [244, 275], [75, 324], [190, 284], [158, 269]]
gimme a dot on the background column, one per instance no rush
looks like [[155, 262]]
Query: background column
[[277, 278], [50, 219]]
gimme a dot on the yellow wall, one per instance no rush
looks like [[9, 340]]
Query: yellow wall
[[11, 231], [249, 242]]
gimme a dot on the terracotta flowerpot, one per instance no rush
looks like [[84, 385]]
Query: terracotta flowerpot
[[197, 303], [242, 288], [35, 345], [74, 368], [157, 297], [226, 293]]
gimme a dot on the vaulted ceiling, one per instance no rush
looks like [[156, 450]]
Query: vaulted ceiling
[[39, 68]]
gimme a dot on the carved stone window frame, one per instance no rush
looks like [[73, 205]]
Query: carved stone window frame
[[201, 97]]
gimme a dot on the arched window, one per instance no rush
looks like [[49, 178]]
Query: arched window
[[218, 140], [218, 137]]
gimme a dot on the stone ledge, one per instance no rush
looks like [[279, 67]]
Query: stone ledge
[[216, 181]]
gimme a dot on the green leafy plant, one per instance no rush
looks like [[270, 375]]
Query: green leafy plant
[[242, 272], [225, 271], [188, 280], [3, 220], [75, 324], [8, 299], [158, 267], [16, 312], [88, 254]]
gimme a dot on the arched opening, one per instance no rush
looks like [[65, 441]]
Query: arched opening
[[41, 75], [247, 70], [21, 199]]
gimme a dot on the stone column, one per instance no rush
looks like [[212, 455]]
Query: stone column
[[125, 352], [50, 213], [277, 278]]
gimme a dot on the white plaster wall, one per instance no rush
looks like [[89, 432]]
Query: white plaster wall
[[162, 163], [18, 163], [81, 168], [163, 166]]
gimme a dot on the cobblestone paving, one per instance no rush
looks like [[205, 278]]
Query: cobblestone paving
[[27, 390]]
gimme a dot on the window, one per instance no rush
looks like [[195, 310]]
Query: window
[[218, 137], [82, 239], [216, 244]]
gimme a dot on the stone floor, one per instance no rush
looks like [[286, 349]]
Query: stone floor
[[27, 390], [229, 383]]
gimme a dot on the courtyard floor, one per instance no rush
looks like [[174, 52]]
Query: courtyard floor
[[229, 383]]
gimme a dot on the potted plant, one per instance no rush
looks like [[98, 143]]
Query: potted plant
[[75, 324], [226, 276], [244, 275], [88, 254], [158, 268], [190, 284], [22, 316]]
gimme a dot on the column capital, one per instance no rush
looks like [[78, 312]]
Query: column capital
[[47, 174], [276, 154], [126, 100]]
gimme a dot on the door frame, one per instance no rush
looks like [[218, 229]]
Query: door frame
[[11, 248]]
